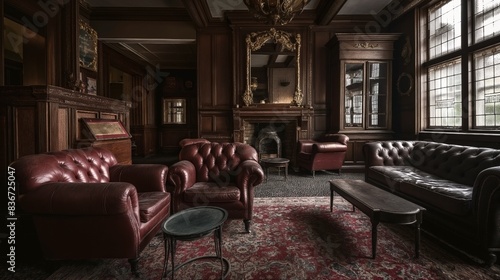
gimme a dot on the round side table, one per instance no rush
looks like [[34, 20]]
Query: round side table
[[192, 224], [275, 163]]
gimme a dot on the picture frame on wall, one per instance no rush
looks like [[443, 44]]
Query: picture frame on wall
[[88, 46]]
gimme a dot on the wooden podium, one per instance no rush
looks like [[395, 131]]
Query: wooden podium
[[108, 134]]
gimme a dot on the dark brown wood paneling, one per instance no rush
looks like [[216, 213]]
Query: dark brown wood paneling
[[215, 86], [319, 68], [404, 107], [222, 71], [63, 129], [206, 124], [169, 139], [144, 138], [25, 142], [109, 116], [205, 82], [46, 118], [223, 123]]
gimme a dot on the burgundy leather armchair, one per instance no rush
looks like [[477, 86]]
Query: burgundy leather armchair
[[325, 153], [216, 174], [86, 206]]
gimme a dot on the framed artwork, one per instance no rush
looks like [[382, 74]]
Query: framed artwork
[[88, 46], [91, 86], [103, 129]]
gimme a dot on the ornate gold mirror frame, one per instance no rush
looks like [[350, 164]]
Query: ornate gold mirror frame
[[255, 41]]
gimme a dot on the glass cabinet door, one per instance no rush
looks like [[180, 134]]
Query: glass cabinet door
[[174, 111], [377, 94], [353, 95]]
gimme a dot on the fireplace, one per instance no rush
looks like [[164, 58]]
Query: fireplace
[[268, 144], [288, 123]]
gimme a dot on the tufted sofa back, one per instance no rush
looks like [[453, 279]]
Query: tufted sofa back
[[88, 165], [461, 164], [214, 160]]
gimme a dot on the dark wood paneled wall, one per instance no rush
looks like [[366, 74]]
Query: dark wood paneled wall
[[404, 109], [180, 84], [215, 84]]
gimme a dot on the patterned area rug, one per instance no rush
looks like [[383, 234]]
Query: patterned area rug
[[299, 238]]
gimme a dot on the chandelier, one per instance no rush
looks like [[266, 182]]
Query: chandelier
[[276, 11]]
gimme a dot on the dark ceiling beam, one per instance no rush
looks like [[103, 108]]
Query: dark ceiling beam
[[290, 61], [405, 7], [138, 13], [199, 12], [327, 10], [272, 60]]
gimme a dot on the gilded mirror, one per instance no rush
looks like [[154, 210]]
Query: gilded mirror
[[273, 68]]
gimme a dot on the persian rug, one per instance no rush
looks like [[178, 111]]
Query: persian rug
[[298, 238]]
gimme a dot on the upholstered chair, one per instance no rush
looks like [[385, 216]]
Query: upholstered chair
[[216, 174], [86, 206], [326, 153]]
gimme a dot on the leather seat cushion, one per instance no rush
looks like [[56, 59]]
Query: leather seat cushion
[[211, 192], [387, 176], [151, 203], [441, 193]]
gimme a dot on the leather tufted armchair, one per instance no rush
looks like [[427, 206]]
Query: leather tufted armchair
[[216, 174], [86, 206], [326, 153]]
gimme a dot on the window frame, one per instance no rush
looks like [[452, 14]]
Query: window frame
[[465, 54]]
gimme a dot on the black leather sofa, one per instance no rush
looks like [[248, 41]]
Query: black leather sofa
[[458, 185]]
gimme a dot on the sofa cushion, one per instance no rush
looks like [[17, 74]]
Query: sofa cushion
[[209, 191], [151, 203], [443, 194], [389, 176]]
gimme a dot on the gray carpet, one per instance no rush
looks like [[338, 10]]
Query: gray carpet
[[300, 184]]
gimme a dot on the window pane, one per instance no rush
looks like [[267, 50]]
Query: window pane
[[445, 97], [377, 86], [354, 73], [444, 28], [487, 88], [487, 19]]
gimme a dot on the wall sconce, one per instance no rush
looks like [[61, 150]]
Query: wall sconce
[[284, 83]]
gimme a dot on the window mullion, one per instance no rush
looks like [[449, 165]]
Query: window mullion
[[466, 107]]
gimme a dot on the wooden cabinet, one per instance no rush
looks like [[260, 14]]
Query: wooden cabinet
[[38, 119], [361, 89]]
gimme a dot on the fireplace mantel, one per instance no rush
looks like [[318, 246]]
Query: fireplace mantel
[[273, 113]]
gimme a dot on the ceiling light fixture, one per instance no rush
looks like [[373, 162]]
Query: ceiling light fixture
[[276, 11]]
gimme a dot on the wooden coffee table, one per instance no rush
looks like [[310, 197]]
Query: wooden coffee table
[[380, 206]]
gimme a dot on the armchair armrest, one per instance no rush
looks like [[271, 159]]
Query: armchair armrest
[[181, 175], [251, 174], [145, 177], [73, 199], [486, 208], [305, 146], [328, 147]]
